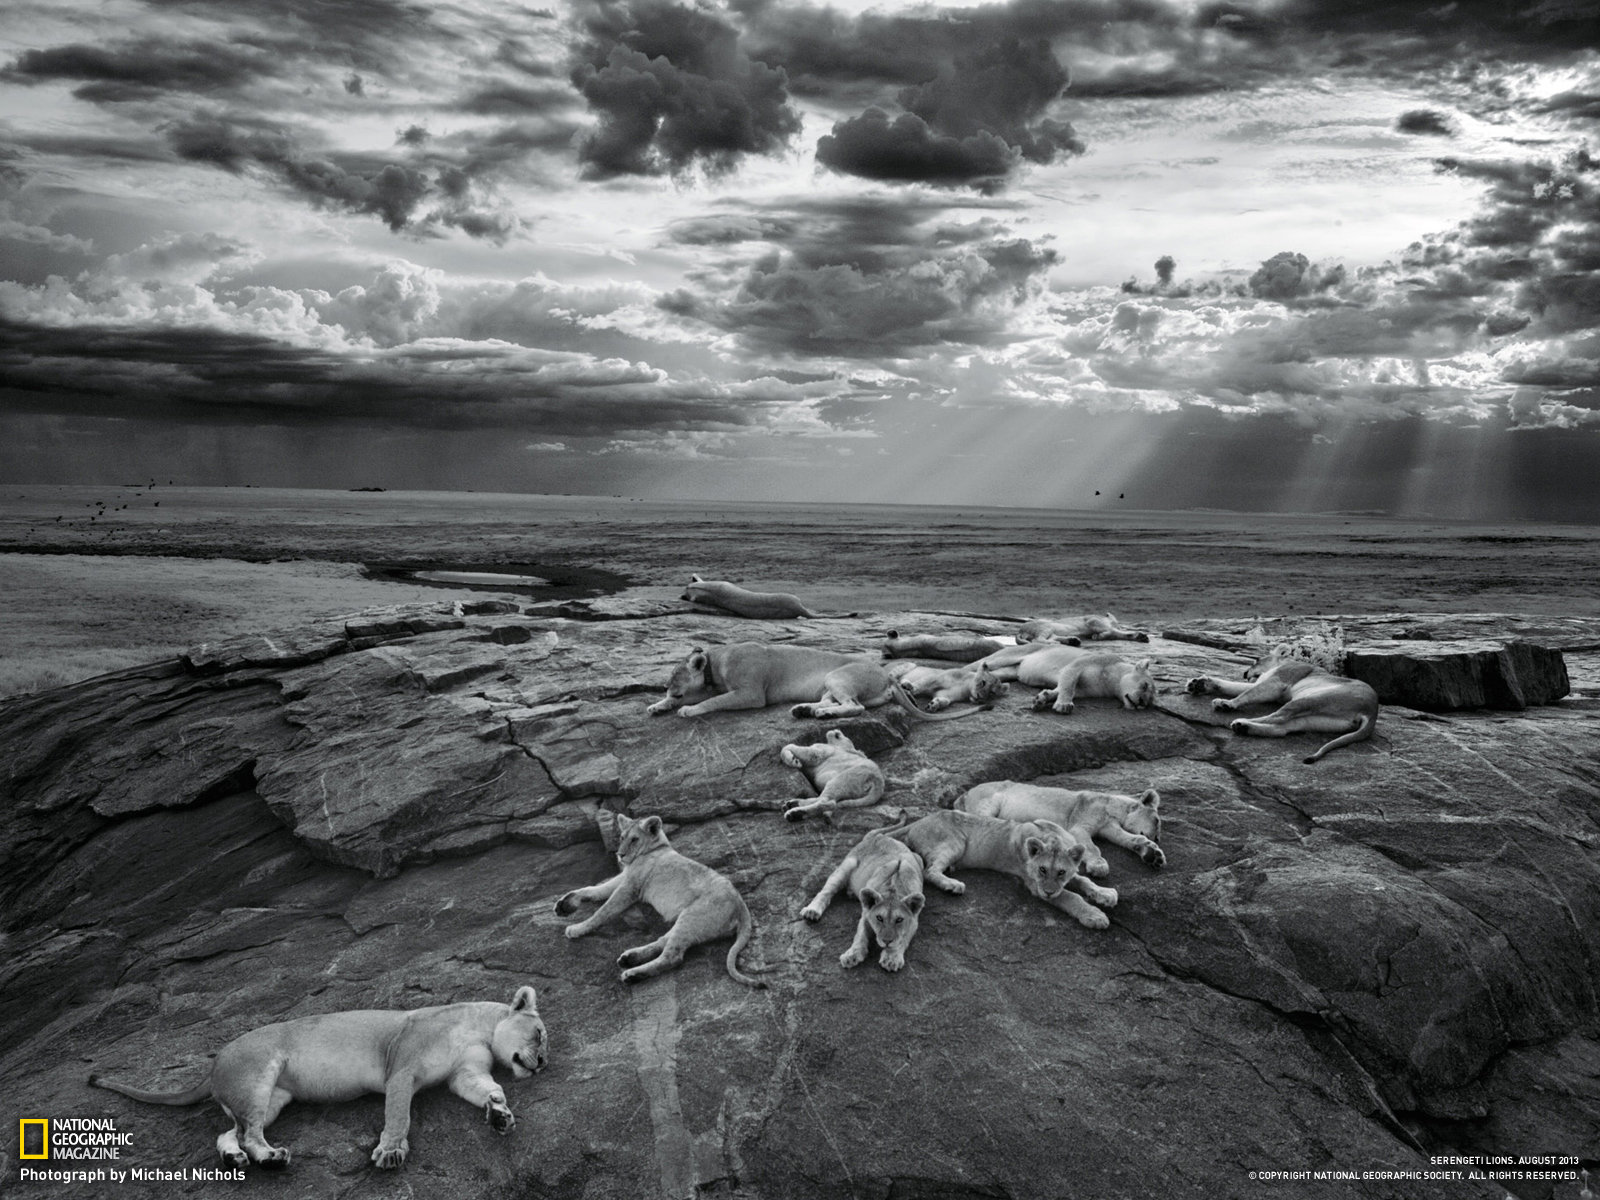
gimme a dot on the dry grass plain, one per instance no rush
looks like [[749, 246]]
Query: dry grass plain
[[97, 578]]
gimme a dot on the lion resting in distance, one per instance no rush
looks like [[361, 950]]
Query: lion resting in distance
[[730, 597], [1040, 853], [886, 876], [974, 684], [955, 647], [1065, 672], [1132, 822], [699, 904], [1074, 631], [843, 776], [1313, 700], [819, 683], [343, 1055]]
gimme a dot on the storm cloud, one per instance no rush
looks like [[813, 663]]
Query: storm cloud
[[674, 89]]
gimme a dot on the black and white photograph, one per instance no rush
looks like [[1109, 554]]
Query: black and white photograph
[[800, 599]]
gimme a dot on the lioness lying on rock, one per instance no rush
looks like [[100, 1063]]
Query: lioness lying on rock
[[1065, 672], [1040, 853], [1313, 700], [699, 903], [343, 1055], [1132, 822], [754, 675], [730, 597], [843, 776], [956, 647], [886, 876], [1074, 631], [974, 684]]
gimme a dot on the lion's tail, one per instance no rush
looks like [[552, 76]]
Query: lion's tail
[[1363, 730], [742, 939], [193, 1096], [904, 700]]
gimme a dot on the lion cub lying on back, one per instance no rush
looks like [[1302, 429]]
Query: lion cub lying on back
[[886, 876], [1040, 853], [342, 1055], [1132, 822], [1313, 700], [843, 776], [700, 904], [975, 684]]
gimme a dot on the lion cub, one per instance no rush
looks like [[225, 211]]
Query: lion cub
[[1132, 822], [1066, 672], [886, 876], [1313, 701], [973, 685], [1040, 853], [700, 904], [843, 776], [342, 1055]]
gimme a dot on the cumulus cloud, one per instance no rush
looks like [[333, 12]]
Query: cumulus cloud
[[971, 124], [1291, 276], [673, 88]]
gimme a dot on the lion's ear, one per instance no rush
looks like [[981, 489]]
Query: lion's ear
[[869, 898], [526, 1000], [893, 633], [1143, 665], [695, 579], [652, 826], [915, 903], [1282, 650], [1151, 799], [1034, 846], [697, 659], [1077, 851]]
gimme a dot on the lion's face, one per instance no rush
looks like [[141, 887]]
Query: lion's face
[[1052, 857], [520, 1043], [1139, 687], [1145, 819], [892, 917], [987, 687], [841, 743], [690, 682], [638, 837]]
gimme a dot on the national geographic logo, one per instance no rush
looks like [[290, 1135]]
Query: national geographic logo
[[74, 1138]]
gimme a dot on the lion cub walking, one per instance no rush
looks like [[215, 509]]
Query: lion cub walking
[[701, 904], [843, 776], [886, 876]]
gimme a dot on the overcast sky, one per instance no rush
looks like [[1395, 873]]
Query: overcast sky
[[1303, 256]]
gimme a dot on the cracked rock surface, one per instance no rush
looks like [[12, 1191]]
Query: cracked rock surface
[[1349, 965]]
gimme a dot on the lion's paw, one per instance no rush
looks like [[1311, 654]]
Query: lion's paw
[[1200, 685], [891, 962], [1064, 708], [954, 886], [1223, 705], [852, 958], [575, 931], [390, 1157], [566, 903], [938, 704], [1044, 700], [812, 912], [1095, 919], [499, 1116], [1106, 897], [1097, 870], [1153, 856], [1240, 727], [792, 811], [235, 1158]]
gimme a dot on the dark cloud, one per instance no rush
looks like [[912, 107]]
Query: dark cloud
[[1425, 121], [866, 278], [674, 89], [907, 150], [970, 125], [207, 377], [1165, 266], [354, 85], [139, 70], [1291, 276]]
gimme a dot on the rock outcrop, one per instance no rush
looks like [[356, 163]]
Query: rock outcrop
[[1344, 967]]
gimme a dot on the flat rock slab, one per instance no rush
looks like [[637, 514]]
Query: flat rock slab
[[1442, 676], [1336, 958]]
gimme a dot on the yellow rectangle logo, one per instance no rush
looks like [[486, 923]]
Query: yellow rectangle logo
[[44, 1137]]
